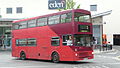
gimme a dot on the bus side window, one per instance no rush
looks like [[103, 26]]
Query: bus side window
[[31, 42], [22, 25], [63, 17], [55, 41], [21, 42], [17, 42], [42, 21], [66, 18], [32, 23], [54, 20], [69, 17], [15, 26]]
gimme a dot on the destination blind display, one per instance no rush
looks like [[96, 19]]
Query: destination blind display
[[83, 28]]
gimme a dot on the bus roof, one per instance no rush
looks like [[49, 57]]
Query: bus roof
[[61, 12]]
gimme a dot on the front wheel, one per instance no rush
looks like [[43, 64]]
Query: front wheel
[[55, 57], [22, 56]]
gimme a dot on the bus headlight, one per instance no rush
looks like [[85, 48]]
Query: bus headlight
[[76, 50], [76, 54], [92, 52]]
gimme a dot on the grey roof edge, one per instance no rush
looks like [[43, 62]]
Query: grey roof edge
[[102, 14], [10, 19]]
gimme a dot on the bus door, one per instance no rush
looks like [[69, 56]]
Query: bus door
[[48, 46], [43, 48], [32, 47]]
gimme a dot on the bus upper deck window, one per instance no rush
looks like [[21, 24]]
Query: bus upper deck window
[[80, 17]]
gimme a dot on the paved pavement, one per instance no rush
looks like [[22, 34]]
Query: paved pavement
[[5, 49], [97, 51]]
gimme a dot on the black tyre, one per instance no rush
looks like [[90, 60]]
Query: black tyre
[[22, 56], [55, 57]]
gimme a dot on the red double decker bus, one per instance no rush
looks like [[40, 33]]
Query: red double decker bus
[[62, 36]]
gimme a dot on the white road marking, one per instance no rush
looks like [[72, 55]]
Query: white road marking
[[113, 63], [7, 67], [87, 66], [106, 57], [113, 52], [116, 58], [98, 67], [107, 52], [104, 66], [75, 67], [25, 67]]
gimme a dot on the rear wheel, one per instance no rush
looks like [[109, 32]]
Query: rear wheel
[[22, 56], [55, 57]]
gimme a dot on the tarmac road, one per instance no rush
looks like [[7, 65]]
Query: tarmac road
[[101, 60]]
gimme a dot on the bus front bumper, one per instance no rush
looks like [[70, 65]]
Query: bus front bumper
[[83, 56]]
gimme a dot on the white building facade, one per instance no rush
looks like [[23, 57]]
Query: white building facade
[[32, 8]]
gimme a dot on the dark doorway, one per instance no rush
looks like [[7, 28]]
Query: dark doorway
[[116, 39]]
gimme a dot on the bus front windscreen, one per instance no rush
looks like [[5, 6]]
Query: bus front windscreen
[[82, 40], [80, 17]]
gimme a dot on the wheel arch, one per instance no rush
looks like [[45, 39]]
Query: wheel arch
[[55, 52], [22, 52]]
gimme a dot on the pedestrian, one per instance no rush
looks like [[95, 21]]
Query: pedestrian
[[109, 46], [94, 42], [0, 43]]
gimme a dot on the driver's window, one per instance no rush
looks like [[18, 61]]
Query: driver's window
[[67, 40]]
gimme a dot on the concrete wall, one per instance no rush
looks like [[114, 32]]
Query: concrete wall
[[98, 29]]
